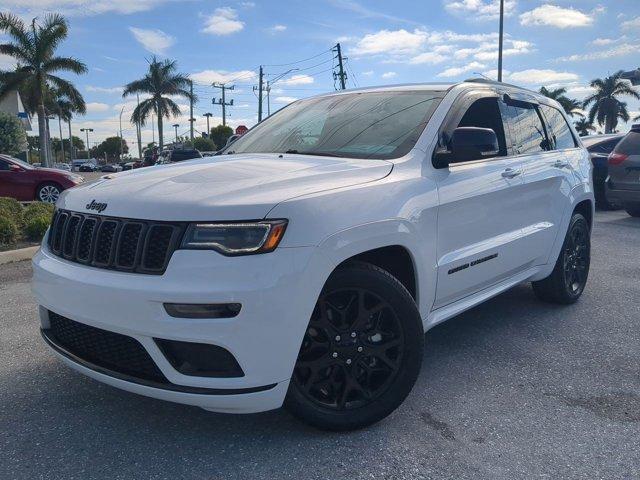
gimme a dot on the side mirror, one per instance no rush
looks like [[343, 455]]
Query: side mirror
[[473, 143]]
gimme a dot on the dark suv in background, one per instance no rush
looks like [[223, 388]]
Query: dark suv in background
[[623, 182], [599, 147]]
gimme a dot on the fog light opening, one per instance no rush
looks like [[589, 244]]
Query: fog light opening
[[204, 310]]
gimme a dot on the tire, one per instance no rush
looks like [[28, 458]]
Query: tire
[[48, 192], [361, 353], [633, 209], [569, 277]]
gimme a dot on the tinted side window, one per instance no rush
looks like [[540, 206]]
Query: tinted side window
[[485, 113], [4, 165], [558, 128], [605, 147], [527, 129], [630, 144]]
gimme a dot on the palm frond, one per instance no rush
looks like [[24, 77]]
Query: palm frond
[[143, 85], [64, 63], [15, 27], [143, 111]]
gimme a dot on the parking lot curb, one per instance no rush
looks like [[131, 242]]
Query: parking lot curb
[[18, 255]]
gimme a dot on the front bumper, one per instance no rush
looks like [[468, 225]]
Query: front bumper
[[277, 292]]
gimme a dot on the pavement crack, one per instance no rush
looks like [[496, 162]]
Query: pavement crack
[[439, 426]]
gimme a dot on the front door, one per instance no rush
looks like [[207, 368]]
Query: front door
[[480, 216]]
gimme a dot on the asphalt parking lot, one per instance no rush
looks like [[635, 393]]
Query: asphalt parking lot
[[511, 389]]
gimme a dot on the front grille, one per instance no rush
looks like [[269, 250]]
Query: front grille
[[114, 243], [109, 350]]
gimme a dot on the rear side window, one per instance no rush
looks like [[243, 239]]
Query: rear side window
[[630, 144], [605, 147], [559, 129], [527, 129], [4, 165]]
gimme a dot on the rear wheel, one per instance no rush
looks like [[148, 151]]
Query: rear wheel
[[633, 209], [48, 192], [361, 353], [569, 277]]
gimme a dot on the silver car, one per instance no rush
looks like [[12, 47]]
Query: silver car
[[623, 183]]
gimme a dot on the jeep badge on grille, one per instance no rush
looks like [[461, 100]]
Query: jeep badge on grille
[[99, 207]]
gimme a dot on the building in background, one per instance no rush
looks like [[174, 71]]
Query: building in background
[[12, 104]]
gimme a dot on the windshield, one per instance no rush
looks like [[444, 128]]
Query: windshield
[[23, 164], [379, 125]]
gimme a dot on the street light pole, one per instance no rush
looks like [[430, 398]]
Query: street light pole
[[87, 130], [208, 115], [175, 126], [501, 39], [121, 139]]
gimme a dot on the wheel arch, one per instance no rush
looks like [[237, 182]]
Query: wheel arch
[[42, 183]]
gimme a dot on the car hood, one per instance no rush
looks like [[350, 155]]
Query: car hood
[[233, 187]]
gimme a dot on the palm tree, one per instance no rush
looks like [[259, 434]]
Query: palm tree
[[583, 127], [605, 106], [571, 106], [64, 108], [34, 51], [160, 82]]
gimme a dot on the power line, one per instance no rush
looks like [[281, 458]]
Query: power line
[[298, 61]]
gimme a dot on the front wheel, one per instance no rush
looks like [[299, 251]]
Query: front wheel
[[361, 353], [48, 193], [569, 277]]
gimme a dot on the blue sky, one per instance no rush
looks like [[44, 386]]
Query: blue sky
[[553, 43]]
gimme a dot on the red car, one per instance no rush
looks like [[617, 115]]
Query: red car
[[24, 182]]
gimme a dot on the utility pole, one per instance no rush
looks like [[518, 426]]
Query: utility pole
[[87, 130], [121, 139], [153, 130], [191, 119], [139, 132], [341, 73], [222, 101], [175, 126], [208, 115], [500, 41], [71, 152], [61, 142], [260, 81], [270, 83]]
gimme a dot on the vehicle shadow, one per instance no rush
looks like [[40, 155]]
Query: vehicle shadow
[[107, 427]]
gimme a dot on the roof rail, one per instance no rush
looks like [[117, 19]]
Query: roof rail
[[488, 81]]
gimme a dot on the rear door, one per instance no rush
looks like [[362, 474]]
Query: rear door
[[624, 163], [16, 184], [481, 209], [543, 141]]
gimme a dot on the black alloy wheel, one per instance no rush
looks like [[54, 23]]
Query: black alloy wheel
[[361, 352]]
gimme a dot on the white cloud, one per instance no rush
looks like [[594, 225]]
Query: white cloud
[[96, 107], [397, 42], [297, 80], [278, 28], [31, 8], [631, 24], [389, 75], [542, 77], [155, 41], [222, 76], [480, 9], [110, 90], [285, 99], [554, 16], [428, 57], [368, 73], [7, 62], [603, 42], [617, 51], [455, 71], [223, 21]]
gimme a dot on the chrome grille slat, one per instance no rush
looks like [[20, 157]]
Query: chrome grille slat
[[135, 246]]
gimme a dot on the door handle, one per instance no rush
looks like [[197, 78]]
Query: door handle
[[511, 173], [560, 164]]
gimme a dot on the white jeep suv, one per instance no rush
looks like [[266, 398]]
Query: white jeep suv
[[304, 264]]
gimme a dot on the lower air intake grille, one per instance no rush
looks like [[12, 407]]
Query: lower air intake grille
[[109, 350]]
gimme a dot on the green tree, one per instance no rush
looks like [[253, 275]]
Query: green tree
[[570, 105], [34, 49], [606, 107], [160, 82], [204, 144], [13, 138], [64, 107], [111, 147], [583, 127], [220, 134]]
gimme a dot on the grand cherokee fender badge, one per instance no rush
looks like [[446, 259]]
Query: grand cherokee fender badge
[[99, 207]]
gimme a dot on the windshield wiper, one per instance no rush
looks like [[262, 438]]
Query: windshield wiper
[[318, 154]]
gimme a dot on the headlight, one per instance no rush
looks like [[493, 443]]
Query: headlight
[[238, 238]]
